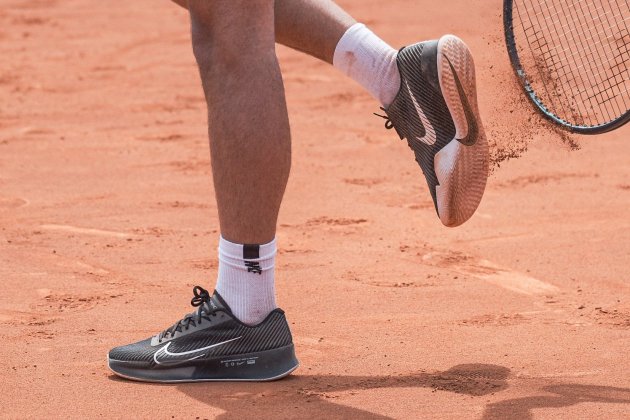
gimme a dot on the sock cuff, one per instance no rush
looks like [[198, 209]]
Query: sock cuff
[[354, 28], [346, 42], [364, 57], [249, 252]]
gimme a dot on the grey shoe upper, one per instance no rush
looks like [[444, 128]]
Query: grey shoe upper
[[210, 332], [419, 112]]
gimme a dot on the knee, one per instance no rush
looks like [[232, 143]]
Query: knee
[[230, 34]]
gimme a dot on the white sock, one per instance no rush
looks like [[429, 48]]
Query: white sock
[[370, 61], [246, 279]]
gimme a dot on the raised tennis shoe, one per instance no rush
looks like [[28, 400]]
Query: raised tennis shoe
[[210, 344], [436, 111]]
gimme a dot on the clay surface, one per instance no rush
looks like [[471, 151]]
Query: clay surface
[[107, 219]]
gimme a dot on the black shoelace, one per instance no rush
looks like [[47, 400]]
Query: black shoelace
[[388, 123], [201, 300]]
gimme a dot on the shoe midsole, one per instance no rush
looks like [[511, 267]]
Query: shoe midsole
[[258, 366]]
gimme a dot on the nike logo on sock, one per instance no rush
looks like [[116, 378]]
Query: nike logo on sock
[[473, 130], [165, 357], [253, 267]]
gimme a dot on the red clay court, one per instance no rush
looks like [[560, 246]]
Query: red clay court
[[107, 219]]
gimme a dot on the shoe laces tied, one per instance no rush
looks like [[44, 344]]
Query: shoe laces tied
[[200, 300], [388, 123]]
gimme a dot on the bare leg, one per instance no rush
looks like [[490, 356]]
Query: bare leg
[[233, 42], [311, 26]]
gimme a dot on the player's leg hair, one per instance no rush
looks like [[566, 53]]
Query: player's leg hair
[[233, 43], [310, 26]]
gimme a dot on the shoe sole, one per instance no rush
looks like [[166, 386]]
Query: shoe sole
[[269, 365], [461, 170]]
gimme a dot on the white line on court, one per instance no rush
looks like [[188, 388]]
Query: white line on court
[[490, 272], [86, 231]]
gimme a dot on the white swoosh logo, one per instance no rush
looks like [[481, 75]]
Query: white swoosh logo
[[429, 136], [163, 356]]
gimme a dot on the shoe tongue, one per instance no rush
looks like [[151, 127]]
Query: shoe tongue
[[216, 303]]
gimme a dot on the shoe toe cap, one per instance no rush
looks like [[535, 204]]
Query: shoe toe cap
[[135, 352]]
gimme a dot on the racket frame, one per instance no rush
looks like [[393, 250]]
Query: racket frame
[[510, 43]]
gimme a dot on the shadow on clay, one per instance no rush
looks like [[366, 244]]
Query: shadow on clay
[[313, 396], [565, 395]]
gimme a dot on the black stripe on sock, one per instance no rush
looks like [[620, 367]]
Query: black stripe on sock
[[251, 252]]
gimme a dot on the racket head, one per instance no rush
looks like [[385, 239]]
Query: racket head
[[558, 81]]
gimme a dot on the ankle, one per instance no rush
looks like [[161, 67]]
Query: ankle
[[246, 279]]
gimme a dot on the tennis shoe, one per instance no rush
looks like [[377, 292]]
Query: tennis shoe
[[436, 111], [210, 344]]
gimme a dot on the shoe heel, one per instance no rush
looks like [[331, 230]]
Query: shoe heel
[[462, 165]]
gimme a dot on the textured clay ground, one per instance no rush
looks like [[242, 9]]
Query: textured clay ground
[[107, 219]]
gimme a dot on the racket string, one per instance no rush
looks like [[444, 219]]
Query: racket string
[[578, 61]]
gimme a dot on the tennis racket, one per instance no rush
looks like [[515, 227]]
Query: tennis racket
[[572, 58]]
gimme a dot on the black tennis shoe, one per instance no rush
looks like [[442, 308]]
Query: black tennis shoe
[[210, 344], [436, 111]]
